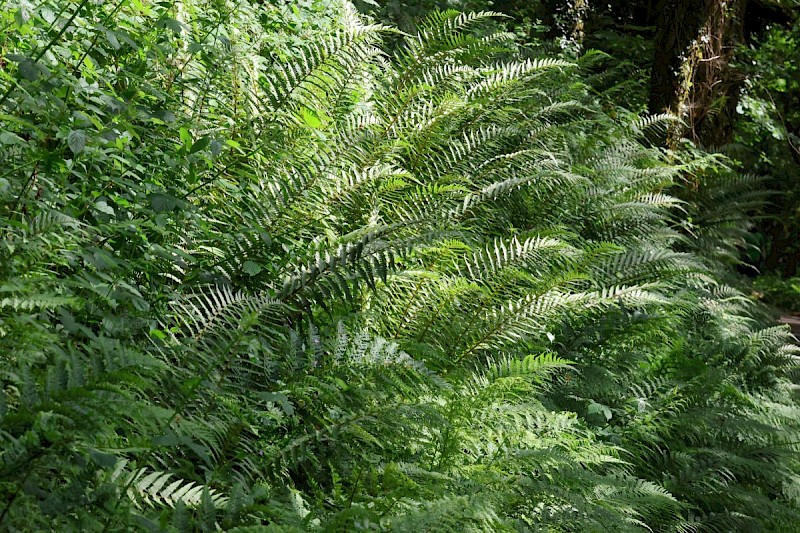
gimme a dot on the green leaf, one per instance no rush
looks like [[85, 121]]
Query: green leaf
[[279, 398], [101, 459], [8, 137], [32, 70], [164, 115], [76, 140], [201, 143], [169, 438], [163, 203], [103, 207], [173, 25], [112, 39], [311, 118], [251, 268], [186, 138], [216, 147], [21, 16], [598, 408]]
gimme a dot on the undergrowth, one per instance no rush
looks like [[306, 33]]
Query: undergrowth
[[334, 287]]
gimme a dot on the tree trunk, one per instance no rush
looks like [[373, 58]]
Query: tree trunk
[[578, 11], [692, 74], [679, 23]]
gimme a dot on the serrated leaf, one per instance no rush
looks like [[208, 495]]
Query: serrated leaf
[[201, 143], [164, 115], [112, 39], [21, 16], [163, 203], [215, 147], [76, 140], [31, 70], [103, 207], [8, 137], [173, 25]]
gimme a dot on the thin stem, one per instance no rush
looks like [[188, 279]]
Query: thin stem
[[52, 43], [97, 36], [25, 187]]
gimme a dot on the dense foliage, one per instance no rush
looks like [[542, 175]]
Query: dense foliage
[[260, 272], [768, 142]]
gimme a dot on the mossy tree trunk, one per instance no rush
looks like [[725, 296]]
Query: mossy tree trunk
[[692, 73]]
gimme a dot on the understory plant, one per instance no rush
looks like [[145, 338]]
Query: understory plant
[[327, 286]]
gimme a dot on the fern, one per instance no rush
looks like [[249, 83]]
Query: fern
[[337, 286]]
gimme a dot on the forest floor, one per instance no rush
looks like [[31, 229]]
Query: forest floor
[[793, 321]]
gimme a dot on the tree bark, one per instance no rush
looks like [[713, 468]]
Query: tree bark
[[692, 74], [678, 26]]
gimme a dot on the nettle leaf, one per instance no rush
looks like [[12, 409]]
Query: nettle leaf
[[21, 16], [163, 203], [28, 68], [112, 39], [32, 70], [8, 137], [164, 115], [103, 207], [215, 147], [172, 24], [201, 144], [76, 140], [102, 459]]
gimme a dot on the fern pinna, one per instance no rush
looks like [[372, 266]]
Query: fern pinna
[[332, 286]]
